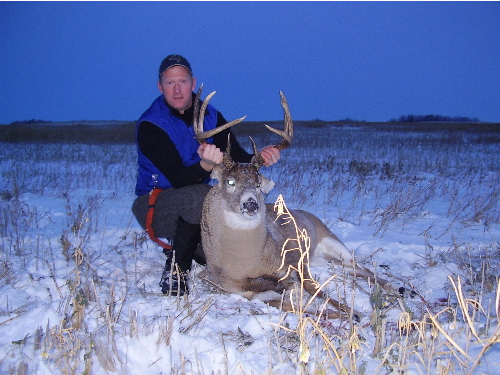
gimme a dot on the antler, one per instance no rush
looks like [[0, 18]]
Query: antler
[[287, 133], [199, 115]]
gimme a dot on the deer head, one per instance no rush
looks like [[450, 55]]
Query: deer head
[[241, 183]]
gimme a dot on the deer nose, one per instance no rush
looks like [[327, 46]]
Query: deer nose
[[250, 206]]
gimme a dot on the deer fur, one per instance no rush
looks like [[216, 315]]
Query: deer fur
[[243, 238]]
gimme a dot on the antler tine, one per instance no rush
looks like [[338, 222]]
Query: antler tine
[[227, 160], [196, 112], [199, 115], [257, 159], [287, 133]]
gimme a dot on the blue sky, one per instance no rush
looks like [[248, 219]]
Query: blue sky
[[368, 61]]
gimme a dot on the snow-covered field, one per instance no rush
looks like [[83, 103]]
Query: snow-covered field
[[79, 280]]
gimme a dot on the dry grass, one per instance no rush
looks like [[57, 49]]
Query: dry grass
[[439, 339], [384, 180]]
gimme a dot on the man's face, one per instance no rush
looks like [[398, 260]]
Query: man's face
[[176, 85]]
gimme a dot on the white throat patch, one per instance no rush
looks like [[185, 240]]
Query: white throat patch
[[241, 221]]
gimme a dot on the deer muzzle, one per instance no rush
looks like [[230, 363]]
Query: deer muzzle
[[250, 207]]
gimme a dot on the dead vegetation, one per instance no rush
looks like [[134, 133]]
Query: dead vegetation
[[97, 276]]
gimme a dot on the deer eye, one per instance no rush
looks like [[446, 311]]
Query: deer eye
[[230, 182]]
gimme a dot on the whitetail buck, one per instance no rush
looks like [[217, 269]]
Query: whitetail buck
[[243, 238]]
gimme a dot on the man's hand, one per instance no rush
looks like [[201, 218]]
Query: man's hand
[[210, 156], [270, 154]]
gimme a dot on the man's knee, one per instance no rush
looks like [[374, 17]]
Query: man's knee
[[140, 208], [196, 192], [192, 202]]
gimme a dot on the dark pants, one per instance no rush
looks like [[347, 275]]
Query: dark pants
[[177, 216], [185, 202]]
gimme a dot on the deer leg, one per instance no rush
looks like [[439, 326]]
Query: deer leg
[[287, 306], [263, 284], [359, 271], [311, 289]]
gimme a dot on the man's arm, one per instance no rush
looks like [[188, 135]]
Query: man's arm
[[157, 146]]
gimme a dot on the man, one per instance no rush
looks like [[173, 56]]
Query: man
[[170, 159]]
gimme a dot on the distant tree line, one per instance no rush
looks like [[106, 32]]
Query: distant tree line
[[32, 121], [433, 118]]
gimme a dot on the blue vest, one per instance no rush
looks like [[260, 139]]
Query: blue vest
[[181, 135]]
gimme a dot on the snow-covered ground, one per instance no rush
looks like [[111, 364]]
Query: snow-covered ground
[[79, 279]]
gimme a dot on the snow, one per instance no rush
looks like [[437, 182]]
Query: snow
[[79, 279]]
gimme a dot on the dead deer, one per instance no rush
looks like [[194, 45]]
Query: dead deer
[[243, 238]]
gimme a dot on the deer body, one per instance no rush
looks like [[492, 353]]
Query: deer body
[[243, 238], [234, 215]]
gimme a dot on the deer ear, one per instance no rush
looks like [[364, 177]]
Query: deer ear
[[216, 173], [266, 184]]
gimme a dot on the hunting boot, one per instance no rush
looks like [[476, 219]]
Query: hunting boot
[[172, 282], [179, 259]]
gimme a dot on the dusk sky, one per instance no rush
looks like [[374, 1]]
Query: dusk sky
[[373, 61]]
